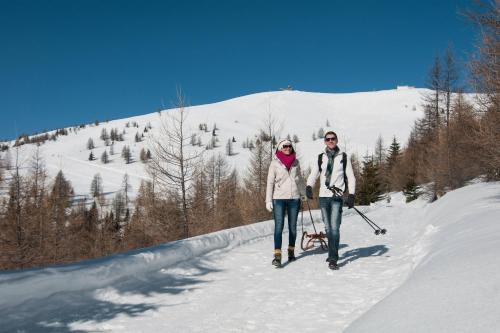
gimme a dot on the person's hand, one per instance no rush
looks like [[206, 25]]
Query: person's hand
[[303, 198], [350, 200], [269, 206], [309, 192]]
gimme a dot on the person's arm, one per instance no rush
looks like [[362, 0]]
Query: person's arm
[[311, 180], [271, 175], [351, 180], [301, 184]]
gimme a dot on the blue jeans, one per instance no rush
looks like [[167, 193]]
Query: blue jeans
[[291, 206], [331, 211]]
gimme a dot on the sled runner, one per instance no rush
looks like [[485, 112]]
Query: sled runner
[[309, 241]]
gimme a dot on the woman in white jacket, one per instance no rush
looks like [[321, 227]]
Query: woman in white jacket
[[285, 187]]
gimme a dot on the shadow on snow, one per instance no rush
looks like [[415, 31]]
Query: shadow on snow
[[60, 311], [362, 252]]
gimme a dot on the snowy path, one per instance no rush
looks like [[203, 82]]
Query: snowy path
[[436, 270], [239, 290]]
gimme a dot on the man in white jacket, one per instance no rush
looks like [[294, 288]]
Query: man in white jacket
[[335, 170]]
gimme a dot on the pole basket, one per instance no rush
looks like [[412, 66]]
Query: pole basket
[[311, 240]]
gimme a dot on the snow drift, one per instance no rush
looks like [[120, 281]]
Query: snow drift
[[19, 286], [456, 286]]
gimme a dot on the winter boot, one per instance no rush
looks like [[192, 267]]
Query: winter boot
[[291, 254], [332, 264], [277, 258]]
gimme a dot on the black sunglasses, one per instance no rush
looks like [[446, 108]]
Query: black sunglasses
[[330, 139], [287, 146]]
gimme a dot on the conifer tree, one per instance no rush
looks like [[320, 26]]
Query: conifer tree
[[2, 168], [201, 209], [126, 154], [126, 189], [257, 171], [411, 190], [104, 134], [105, 157], [90, 144], [229, 211], [59, 202], [15, 229], [143, 155], [229, 148], [321, 133], [215, 171], [433, 99], [96, 188], [379, 152], [485, 72], [255, 181], [119, 206], [394, 154], [370, 187]]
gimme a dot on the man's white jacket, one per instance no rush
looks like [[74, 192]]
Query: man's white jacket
[[337, 178]]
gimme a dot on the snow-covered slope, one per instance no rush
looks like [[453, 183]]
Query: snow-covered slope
[[456, 286], [435, 271], [358, 118]]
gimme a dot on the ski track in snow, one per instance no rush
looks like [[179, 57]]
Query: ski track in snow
[[239, 291]]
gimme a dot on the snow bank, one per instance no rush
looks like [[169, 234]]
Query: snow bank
[[19, 286], [456, 285], [441, 257]]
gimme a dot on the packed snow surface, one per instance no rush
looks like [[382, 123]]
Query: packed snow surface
[[436, 270]]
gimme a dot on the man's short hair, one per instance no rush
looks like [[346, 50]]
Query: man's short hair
[[330, 132]]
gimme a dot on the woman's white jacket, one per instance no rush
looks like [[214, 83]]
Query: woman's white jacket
[[283, 183]]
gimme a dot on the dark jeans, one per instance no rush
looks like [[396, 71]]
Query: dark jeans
[[291, 206], [331, 211]]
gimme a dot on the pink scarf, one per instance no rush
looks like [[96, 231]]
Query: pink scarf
[[287, 160]]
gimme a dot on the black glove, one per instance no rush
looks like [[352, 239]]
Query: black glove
[[350, 200], [309, 192]]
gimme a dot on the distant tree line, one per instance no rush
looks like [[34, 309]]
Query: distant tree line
[[457, 139]]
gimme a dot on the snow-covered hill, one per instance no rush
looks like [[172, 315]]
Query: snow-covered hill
[[437, 270], [358, 118]]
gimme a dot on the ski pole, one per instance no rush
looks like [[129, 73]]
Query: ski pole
[[377, 231], [372, 224], [380, 230], [366, 217]]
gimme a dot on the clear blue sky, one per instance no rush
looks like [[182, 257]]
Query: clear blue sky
[[74, 61]]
